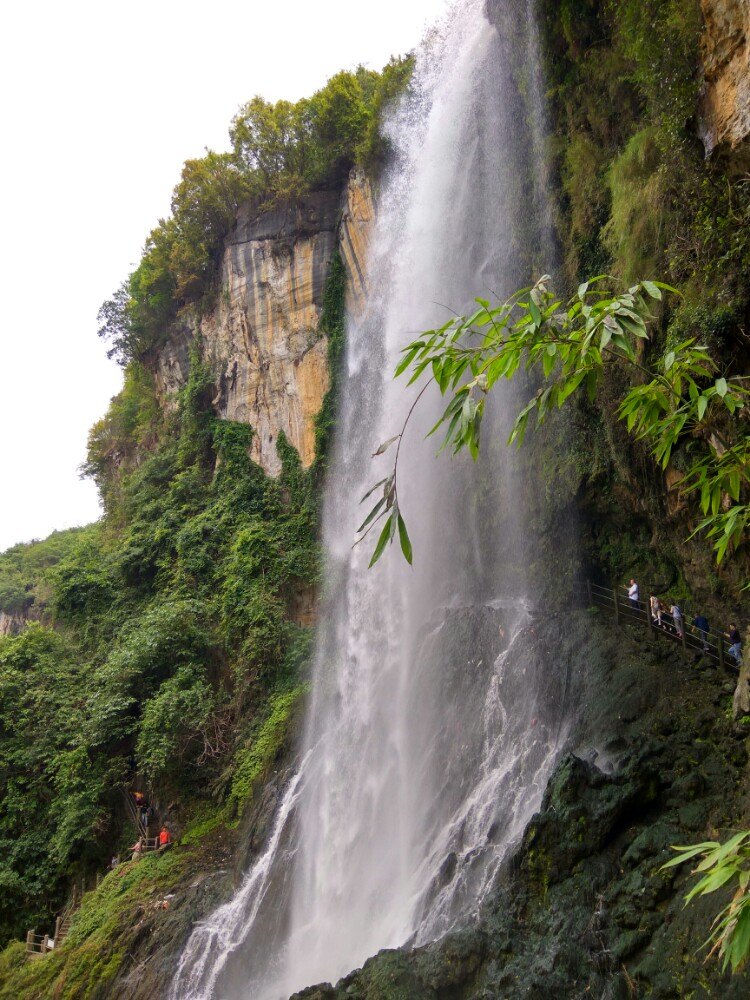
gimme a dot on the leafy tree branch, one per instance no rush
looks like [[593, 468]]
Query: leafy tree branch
[[568, 346]]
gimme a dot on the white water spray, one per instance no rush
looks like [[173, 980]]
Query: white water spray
[[430, 735]]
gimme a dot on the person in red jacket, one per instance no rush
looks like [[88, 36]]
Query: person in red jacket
[[165, 838]]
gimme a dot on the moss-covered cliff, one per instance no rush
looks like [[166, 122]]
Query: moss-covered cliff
[[641, 191]]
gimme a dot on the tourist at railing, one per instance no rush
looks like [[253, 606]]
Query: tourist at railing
[[670, 622], [676, 613], [735, 643], [656, 610], [700, 623]]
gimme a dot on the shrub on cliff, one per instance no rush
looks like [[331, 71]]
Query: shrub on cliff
[[279, 150]]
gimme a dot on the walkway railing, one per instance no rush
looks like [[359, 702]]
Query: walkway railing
[[134, 813], [37, 944], [714, 645]]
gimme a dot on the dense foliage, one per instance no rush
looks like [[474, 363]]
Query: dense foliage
[[278, 150], [25, 572], [173, 639]]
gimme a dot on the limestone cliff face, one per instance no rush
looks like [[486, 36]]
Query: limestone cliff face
[[357, 220], [11, 624], [726, 67], [14, 622], [262, 338]]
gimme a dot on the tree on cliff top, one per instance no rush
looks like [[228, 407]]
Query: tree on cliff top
[[279, 150]]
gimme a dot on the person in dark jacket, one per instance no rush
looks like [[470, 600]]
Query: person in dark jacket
[[735, 644], [700, 622]]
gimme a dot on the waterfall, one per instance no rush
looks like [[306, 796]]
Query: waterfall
[[433, 725]]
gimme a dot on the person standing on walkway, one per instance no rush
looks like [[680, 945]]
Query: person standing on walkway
[[735, 644], [700, 622], [676, 613], [655, 610], [634, 594]]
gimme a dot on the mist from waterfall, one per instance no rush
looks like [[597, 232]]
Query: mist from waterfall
[[431, 730]]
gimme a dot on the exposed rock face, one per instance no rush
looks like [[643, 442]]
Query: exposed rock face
[[357, 221], [726, 67], [262, 338], [11, 624]]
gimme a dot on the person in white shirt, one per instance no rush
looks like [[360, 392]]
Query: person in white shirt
[[634, 594], [676, 614]]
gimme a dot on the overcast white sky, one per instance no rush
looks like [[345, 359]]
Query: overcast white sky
[[102, 102]]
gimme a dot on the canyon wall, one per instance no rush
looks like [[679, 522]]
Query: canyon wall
[[726, 69], [262, 338]]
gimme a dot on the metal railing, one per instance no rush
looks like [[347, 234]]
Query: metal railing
[[712, 644]]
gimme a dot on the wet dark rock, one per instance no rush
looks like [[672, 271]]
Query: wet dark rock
[[583, 909]]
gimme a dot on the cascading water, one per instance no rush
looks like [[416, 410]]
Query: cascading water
[[432, 728]]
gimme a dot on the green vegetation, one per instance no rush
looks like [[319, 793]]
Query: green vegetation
[[26, 572], [720, 865], [97, 943], [278, 150], [332, 325], [569, 346], [168, 646], [638, 196], [253, 760]]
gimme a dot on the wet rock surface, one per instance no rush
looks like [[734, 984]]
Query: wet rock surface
[[582, 909]]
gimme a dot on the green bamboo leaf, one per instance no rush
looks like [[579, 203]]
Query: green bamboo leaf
[[383, 540], [372, 515], [733, 484], [716, 498], [407, 359], [721, 387], [711, 883], [686, 853], [667, 288], [404, 539], [370, 492], [739, 945], [723, 850]]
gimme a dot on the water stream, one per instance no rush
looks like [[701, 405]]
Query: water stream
[[432, 728]]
